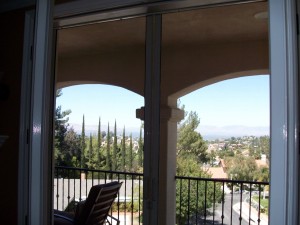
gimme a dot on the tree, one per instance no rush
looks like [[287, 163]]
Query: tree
[[115, 149], [233, 140], [58, 93], [108, 158], [91, 156], [90, 149], [191, 195], [123, 151], [264, 142], [262, 174], [83, 145], [130, 154], [191, 152], [189, 140], [212, 157], [225, 153], [241, 167], [140, 151], [61, 155], [73, 142], [99, 142]]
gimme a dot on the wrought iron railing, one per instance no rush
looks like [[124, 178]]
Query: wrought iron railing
[[221, 201], [198, 200]]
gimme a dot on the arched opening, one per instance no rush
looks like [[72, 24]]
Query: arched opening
[[225, 136], [94, 143]]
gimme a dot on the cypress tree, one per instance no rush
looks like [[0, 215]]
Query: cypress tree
[[90, 150], [82, 160], [114, 158], [123, 151], [99, 141], [140, 153], [108, 159], [130, 154]]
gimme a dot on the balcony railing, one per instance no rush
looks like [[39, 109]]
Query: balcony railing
[[198, 200], [221, 201]]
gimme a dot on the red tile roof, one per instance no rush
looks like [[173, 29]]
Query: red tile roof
[[216, 172]]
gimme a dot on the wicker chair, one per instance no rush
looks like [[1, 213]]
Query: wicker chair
[[94, 210]]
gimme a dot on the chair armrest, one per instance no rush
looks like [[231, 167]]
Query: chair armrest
[[64, 217], [113, 218]]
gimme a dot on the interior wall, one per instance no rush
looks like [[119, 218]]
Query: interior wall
[[11, 45], [9, 5]]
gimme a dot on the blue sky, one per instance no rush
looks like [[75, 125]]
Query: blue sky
[[235, 102], [235, 105], [108, 102]]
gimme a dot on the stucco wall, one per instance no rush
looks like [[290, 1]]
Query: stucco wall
[[125, 68], [187, 68], [184, 68]]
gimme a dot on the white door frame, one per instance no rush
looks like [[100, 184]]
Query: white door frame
[[40, 137], [298, 42], [25, 118], [284, 113]]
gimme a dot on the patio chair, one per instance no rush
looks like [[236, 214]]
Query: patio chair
[[94, 210]]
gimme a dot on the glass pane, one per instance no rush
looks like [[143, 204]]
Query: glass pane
[[221, 136], [100, 79]]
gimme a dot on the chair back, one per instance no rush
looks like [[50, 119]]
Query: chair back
[[98, 204]]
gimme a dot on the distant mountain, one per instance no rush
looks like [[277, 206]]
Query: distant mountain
[[214, 132], [207, 132], [93, 129]]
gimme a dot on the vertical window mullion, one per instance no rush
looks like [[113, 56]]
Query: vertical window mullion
[[152, 119]]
